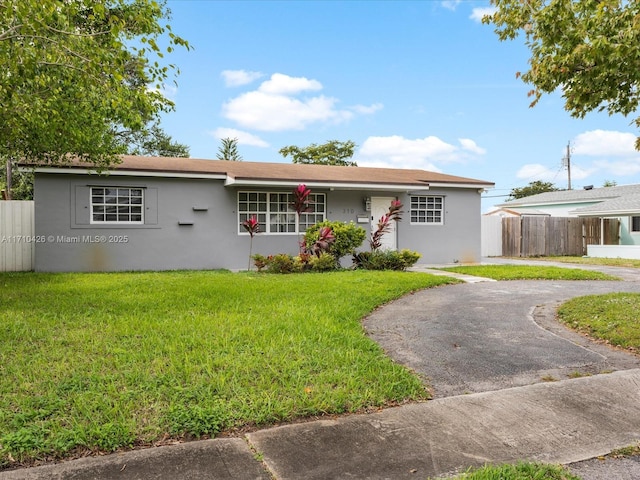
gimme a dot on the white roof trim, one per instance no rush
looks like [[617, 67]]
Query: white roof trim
[[609, 213], [555, 203], [231, 182], [461, 185], [131, 173]]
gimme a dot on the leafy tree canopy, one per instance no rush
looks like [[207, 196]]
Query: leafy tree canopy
[[588, 48], [77, 73], [333, 152], [154, 142], [533, 188], [228, 150]]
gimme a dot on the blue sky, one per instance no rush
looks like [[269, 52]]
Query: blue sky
[[415, 84]]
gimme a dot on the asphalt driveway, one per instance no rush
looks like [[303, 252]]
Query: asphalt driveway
[[471, 338]]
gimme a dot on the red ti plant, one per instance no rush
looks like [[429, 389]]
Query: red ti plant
[[301, 199], [252, 226], [323, 243], [301, 204], [384, 224]]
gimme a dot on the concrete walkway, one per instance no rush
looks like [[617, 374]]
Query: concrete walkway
[[559, 422], [490, 404]]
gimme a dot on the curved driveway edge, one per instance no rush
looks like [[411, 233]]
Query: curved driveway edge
[[470, 338]]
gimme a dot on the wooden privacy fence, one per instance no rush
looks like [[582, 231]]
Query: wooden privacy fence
[[544, 236], [16, 236]]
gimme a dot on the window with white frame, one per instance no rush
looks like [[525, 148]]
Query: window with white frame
[[275, 212], [427, 210], [635, 224], [117, 205]]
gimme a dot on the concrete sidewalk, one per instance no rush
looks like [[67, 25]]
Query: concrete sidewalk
[[558, 422]]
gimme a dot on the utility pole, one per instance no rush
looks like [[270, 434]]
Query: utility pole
[[566, 162]]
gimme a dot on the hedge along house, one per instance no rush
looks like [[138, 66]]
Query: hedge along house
[[180, 213]]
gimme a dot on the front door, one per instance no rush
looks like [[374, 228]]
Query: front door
[[379, 207]]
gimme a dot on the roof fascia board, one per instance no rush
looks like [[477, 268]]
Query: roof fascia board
[[461, 185], [610, 213], [131, 173], [559, 202], [329, 185]]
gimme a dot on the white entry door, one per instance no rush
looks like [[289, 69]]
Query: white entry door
[[379, 207]]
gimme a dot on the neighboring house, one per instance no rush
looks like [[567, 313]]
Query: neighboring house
[[514, 212], [181, 213], [621, 202], [564, 203]]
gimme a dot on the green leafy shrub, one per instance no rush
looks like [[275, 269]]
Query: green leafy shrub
[[304, 262], [322, 263], [260, 261], [386, 259], [348, 237], [280, 263], [409, 257]]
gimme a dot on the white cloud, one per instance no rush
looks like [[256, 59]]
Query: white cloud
[[244, 138], [278, 104], [367, 110], [605, 143], [280, 84], [478, 13], [619, 168], [536, 171], [450, 4], [236, 78], [614, 152], [424, 153], [471, 146], [265, 112]]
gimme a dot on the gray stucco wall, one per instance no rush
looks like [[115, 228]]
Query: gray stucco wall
[[458, 240], [68, 242]]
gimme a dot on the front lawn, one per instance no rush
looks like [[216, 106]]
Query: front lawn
[[611, 317], [96, 362], [529, 272]]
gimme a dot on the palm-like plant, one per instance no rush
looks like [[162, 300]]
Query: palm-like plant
[[301, 204], [252, 226], [229, 150]]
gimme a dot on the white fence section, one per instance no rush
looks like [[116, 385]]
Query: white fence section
[[631, 252], [16, 236], [491, 243]]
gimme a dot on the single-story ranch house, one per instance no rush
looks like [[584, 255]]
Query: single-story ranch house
[[181, 213]]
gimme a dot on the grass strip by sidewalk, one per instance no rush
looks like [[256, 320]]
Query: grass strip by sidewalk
[[529, 272], [521, 471], [610, 317], [96, 362]]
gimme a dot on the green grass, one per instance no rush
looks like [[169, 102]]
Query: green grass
[[521, 471], [97, 362], [612, 262], [529, 272], [611, 317]]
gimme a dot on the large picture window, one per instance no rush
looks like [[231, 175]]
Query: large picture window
[[275, 212], [427, 210], [117, 205]]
